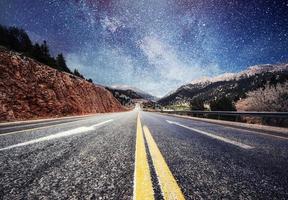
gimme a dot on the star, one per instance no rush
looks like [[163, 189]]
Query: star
[[155, 47]]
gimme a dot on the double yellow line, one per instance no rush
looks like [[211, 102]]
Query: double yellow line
[[143, 188]]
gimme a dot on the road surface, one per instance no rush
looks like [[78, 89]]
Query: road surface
[[140, 155]]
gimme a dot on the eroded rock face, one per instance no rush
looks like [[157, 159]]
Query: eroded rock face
[[29, 89]]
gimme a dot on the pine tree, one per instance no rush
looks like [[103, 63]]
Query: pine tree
[[18, 40], [4, 38], [222, 104], [45, 49], [89, 80], [36, 52], [24, 41], [61, 63], [196, 104], [77, 73]]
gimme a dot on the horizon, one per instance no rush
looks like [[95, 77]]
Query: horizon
[[200, 79], [158, 47], [127, 99]]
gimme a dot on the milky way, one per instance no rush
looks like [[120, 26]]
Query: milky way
[[155, 45]]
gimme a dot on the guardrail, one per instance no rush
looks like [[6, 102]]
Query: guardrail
[[271, 118], [231, 113]]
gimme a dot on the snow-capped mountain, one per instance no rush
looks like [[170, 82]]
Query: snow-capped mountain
[[126, 94], [250, 71], [232, 85], [141, 93]]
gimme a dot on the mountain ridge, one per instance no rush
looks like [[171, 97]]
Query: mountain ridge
[[128, 95], [143, 94], [232, 85]]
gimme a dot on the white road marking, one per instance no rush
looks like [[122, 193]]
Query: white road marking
[[58, 135], [244, 146], [36, 128], [259, 133]]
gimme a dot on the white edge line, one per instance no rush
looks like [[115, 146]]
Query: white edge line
[[247, 129], [101, 123], [258, 132], [244, 146], [36, 128], [58, 135]]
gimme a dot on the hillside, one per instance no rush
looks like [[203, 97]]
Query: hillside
[[29, 89], [233, 86], [142, 94], [127, 95]]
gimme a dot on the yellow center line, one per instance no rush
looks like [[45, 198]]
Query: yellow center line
[[169, 187], [143, 188]]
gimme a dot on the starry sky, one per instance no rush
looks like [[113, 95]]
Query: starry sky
[[155, 45]]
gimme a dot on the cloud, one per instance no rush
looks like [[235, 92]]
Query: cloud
[[171, 67], [164, 71], [106, 66]]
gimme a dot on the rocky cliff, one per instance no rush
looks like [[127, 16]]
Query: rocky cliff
[[29, 89]]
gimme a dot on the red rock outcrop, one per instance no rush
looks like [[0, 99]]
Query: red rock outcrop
[[29, 90]]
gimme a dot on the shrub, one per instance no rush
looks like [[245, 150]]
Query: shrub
[[222, 104], [196, 104], [270, 98]]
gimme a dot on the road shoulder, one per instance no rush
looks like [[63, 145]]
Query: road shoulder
[[275, 131]]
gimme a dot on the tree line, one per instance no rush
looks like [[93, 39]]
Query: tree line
[[17, 39]]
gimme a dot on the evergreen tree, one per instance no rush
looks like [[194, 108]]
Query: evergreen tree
[[89, 80], [45, 49], [18, 40], [61, 63], [222, 104], [24, 41], [36, 52], [77, 73], [15, 39], [196, 104], [13, 34], [4, 41]]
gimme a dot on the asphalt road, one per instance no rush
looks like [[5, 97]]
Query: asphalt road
[[126, 155]]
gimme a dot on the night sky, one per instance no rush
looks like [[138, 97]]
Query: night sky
[[155, 45]]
